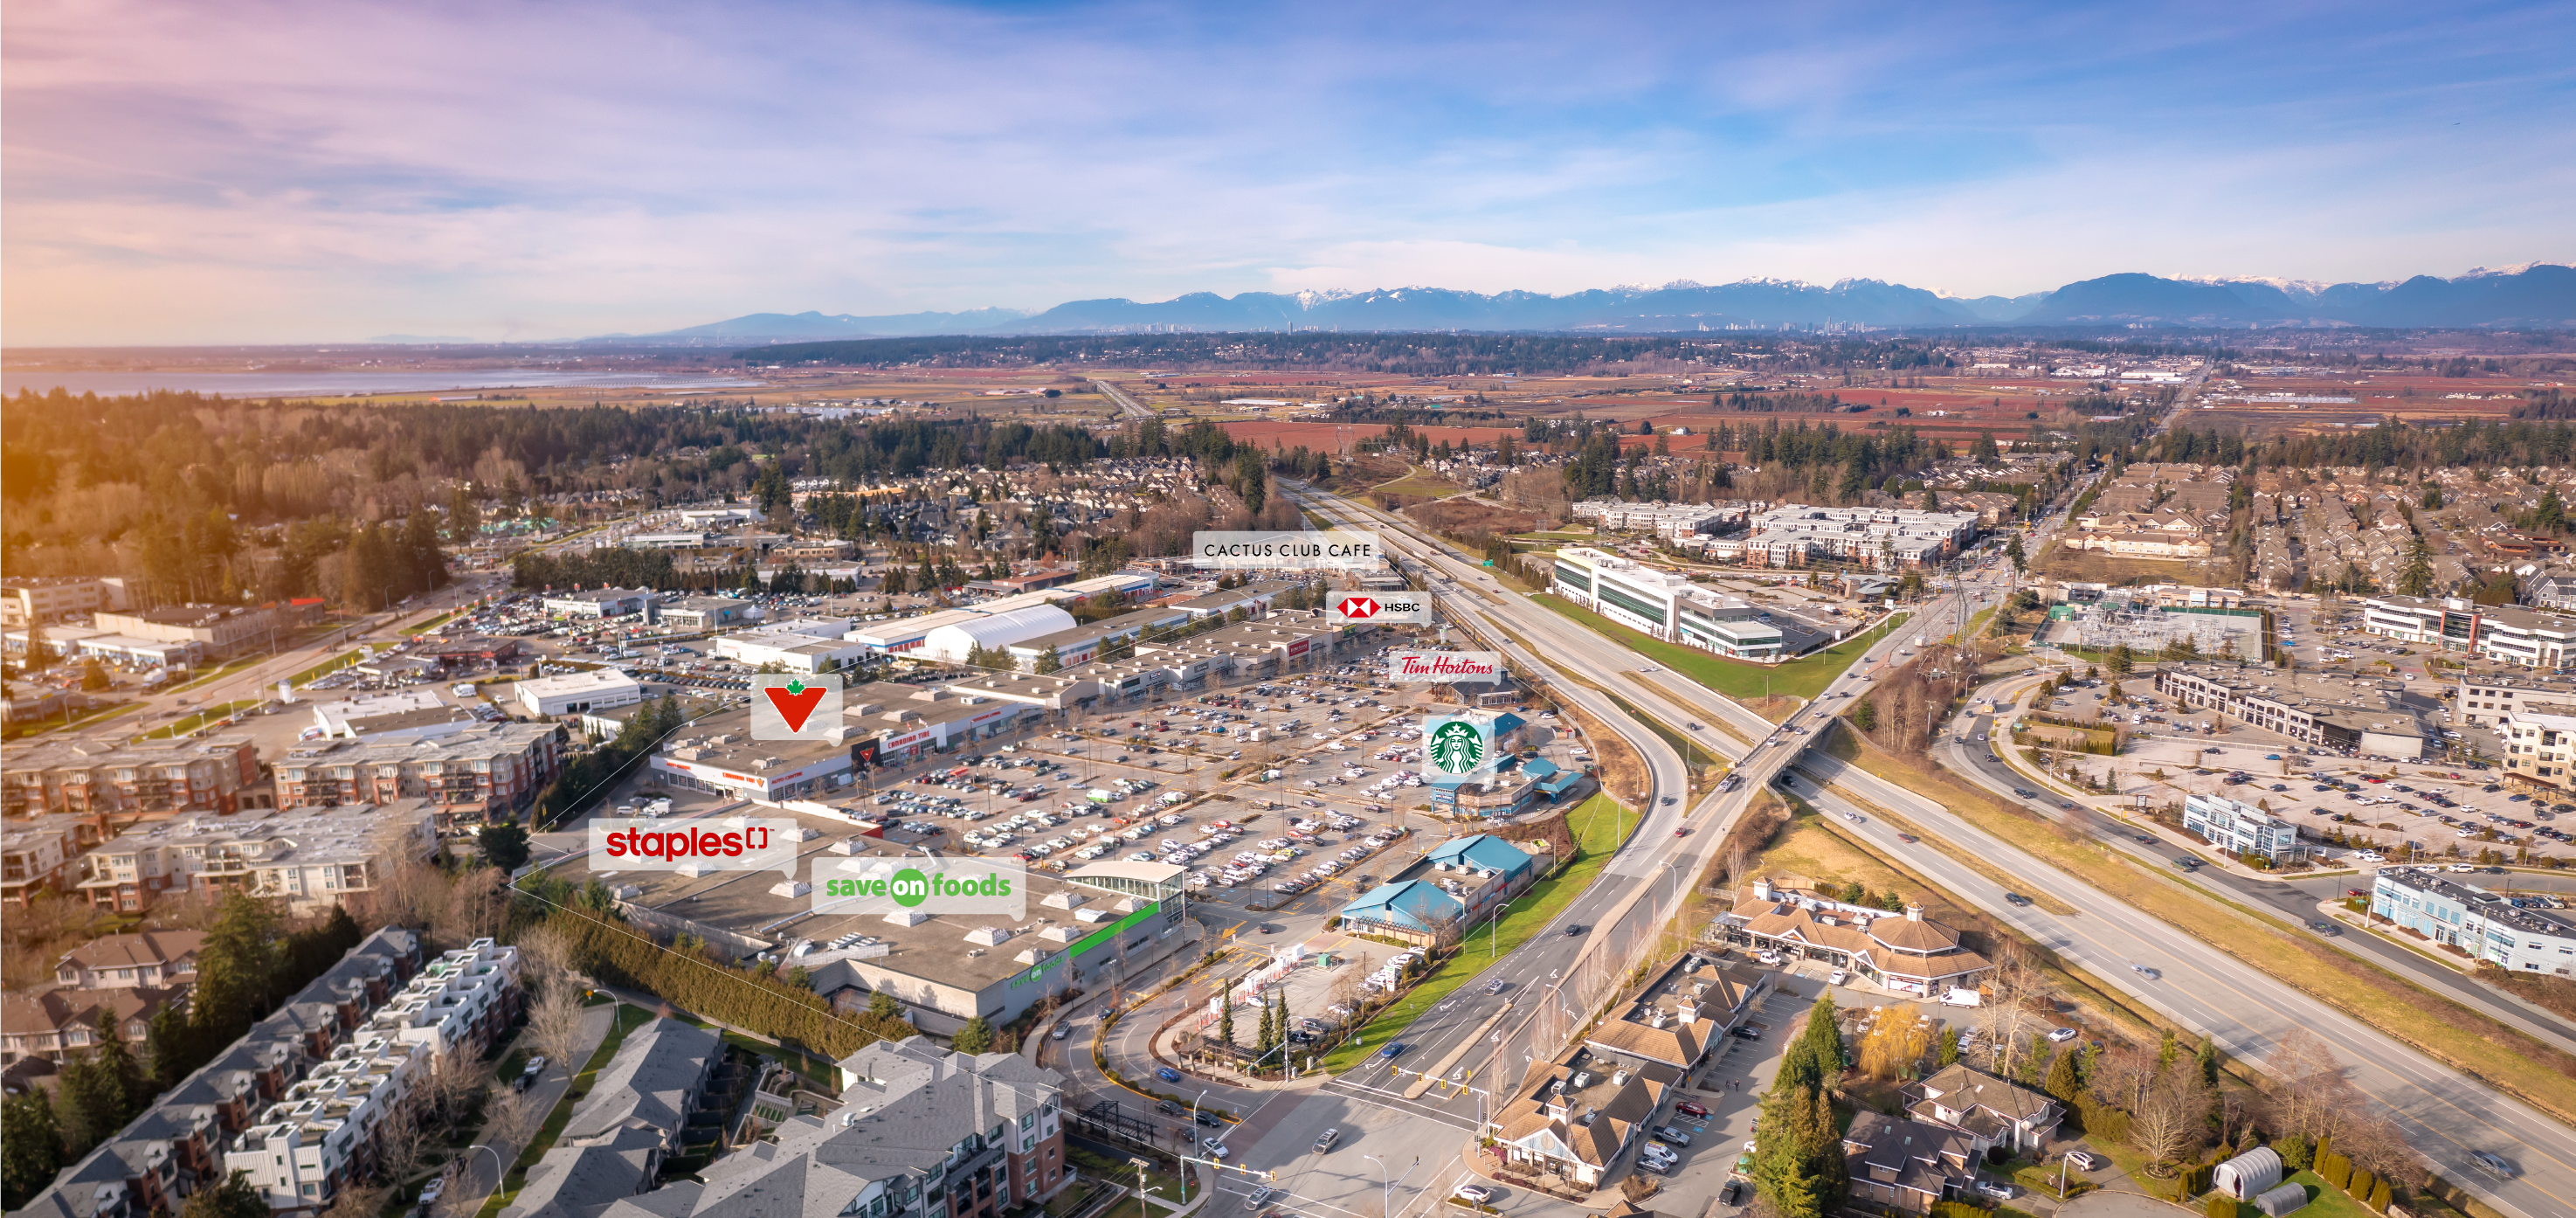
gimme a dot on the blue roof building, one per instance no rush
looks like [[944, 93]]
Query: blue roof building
[[1484, 852], [1412, 910]]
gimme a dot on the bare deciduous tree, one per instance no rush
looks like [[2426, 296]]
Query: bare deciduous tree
[[403, 1142], [356, 1201], [2011, 985], [2172, 1116], [554, 1023], [546, 959], [509, 1120]]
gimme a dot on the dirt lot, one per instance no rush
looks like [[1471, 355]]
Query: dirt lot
[[2093, 566], [1467, 516]]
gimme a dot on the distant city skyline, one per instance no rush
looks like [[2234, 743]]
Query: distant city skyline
[[294, 172]]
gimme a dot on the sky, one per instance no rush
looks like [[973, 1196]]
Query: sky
[[286, 172]]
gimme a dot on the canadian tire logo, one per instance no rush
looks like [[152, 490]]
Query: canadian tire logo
[[1457, 748]]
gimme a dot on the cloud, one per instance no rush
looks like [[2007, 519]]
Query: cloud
[[290, 171]]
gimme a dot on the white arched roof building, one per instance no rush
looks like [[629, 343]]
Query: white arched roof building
[[952, 642]]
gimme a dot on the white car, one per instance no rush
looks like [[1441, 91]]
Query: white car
[[1475, 1192], [1837, 977]]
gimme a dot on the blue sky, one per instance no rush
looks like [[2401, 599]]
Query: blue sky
[[286, 172]]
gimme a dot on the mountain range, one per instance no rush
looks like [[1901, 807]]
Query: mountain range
[[2535, 295]]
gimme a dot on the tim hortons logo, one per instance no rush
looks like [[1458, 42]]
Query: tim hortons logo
[[1441, 664]]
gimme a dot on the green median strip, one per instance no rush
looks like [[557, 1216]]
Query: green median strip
[[1804, 677]]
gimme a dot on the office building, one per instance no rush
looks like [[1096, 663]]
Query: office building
[[2355, 716], [24, 600], [2515, 933], [2239, 828], [596, 602], [1665, 605], [217, 631], [1901, 951]]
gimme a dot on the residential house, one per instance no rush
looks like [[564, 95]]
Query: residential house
[[58, 1023], [149, 959], [1907, 1165], [1990, 1111]]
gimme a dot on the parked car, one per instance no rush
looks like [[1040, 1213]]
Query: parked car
[[536, 1068], [2059, 1036], [1475, 1192], [2083, 1160], [1996, 1189], [1691, 1110], [1672, 1136]]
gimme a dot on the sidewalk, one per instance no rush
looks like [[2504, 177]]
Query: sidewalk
[[480, 1174]]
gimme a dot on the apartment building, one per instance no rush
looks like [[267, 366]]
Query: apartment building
[[473, 772], [114, 775], [1669, 520], [24, 600], [181, 1143], [307, 858], [2507, 931], [2539, 740], [1877, 538], [2484, 701], [2240, 828], [147, 959], [319, 1135], [1665, 605], [33, 858], [2349, 715], [219, 631]]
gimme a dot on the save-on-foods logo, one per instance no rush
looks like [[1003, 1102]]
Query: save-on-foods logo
[[984, 887], [1457, 746]]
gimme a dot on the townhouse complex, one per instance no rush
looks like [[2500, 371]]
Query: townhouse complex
[[300, 1101]]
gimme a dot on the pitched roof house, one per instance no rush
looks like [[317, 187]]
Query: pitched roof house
[[1991, 1111], [1907, 1165]]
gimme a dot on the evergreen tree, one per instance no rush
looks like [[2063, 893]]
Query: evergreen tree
[[235, 970], [2208, 1059], [367, 571], [31, 1147], [2062, 1081], [424, 560], [1948, 1054], [170, 1045], [503, 845], [2013, 551], [235, 1197], [1864, 715], [39, 656], [884, 1006], [974, 1037], [1225, 1016]]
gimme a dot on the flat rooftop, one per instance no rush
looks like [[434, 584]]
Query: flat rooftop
[[935, 950]]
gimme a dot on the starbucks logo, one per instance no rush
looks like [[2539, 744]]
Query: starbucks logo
[[1457, 747]]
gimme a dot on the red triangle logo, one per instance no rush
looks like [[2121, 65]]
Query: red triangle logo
[[797, 707]]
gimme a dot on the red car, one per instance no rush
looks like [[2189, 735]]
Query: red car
[[1693, 1111], [1682, 832]]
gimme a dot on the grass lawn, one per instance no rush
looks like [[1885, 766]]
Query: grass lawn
[[1426, 487], [431, 624], [19, 731], [326, 667], [2448, 1032], [1598, 827], [1804, 677], [2323, 1202], [198, 718], [621, 1023]]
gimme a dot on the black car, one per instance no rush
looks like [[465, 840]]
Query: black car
[[1208, 1118], [2016, 898], [1745, 1033], [1572, 931]]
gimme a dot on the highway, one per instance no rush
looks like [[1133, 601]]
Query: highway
[[2296, 906], [2443, 1114], [1128, 408]]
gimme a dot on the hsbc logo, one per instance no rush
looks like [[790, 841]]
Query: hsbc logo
[[1356, 608]]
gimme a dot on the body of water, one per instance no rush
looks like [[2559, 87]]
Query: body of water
[[296, 384]]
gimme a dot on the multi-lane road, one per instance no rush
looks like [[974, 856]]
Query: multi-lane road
[[2444, 1114]]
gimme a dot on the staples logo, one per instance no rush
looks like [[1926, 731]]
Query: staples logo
[[1444, 666]]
